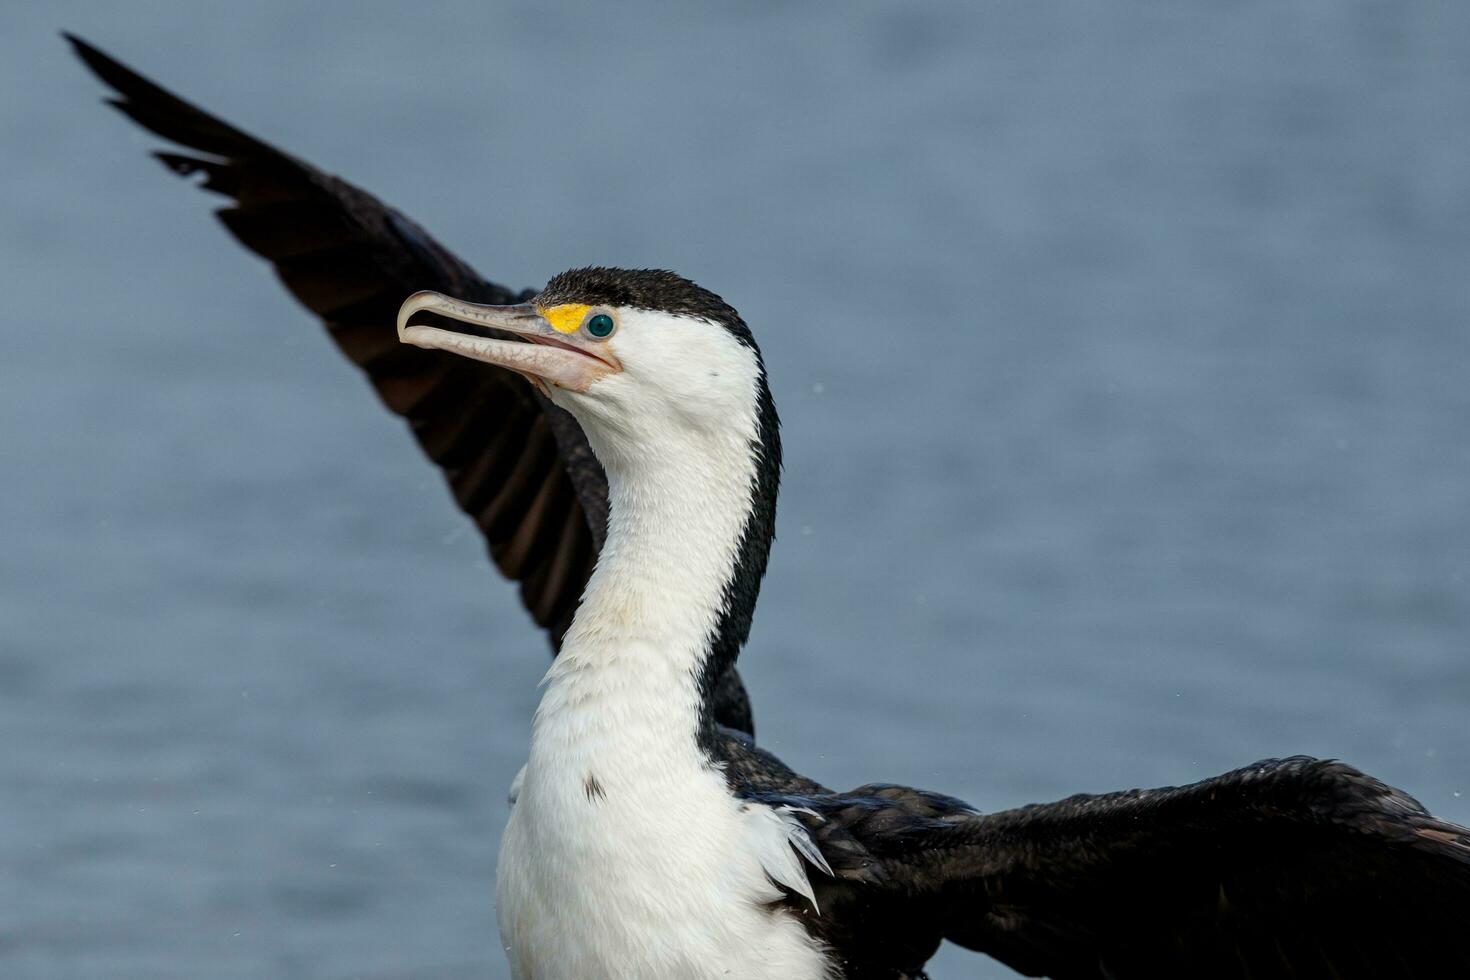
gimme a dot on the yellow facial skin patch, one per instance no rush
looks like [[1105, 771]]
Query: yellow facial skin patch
[[566, 318]]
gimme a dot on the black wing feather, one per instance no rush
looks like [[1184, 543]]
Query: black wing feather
[[519, 466], [1287, 868]]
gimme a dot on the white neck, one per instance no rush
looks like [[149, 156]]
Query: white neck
[[655, 598], [627, 854]]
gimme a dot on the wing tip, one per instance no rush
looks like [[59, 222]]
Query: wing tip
[[78, 45], [103, 65], [163, 112]]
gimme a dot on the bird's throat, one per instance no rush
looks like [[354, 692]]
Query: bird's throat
[[643, 637]]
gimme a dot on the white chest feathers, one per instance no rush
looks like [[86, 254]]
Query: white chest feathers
[[627, 857]]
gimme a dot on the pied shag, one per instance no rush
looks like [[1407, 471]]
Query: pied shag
[[614, 438]]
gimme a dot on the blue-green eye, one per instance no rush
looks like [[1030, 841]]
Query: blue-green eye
[[600, 326]]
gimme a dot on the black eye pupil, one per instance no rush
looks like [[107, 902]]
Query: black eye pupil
[[600, 326]]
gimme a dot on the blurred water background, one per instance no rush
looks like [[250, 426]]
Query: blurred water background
[[1123, 357]]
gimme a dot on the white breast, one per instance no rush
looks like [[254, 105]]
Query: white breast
[[626, 856]]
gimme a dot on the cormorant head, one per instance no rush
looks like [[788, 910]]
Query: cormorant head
[[645, 359]]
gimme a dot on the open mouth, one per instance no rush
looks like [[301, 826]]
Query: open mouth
[[428, 318], [514, 337]]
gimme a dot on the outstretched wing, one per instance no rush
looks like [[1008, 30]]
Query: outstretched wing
[[518, 466], [1288, 868]]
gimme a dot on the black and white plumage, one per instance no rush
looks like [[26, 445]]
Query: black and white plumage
[[651, 837], [517, 465]]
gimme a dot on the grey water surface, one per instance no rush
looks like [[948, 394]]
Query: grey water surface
[[1123, 352]]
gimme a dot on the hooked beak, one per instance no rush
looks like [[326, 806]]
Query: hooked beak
[[526, 341]]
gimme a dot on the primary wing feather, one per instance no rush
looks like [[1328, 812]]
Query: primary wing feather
[[1288, 868], [519, 466]]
